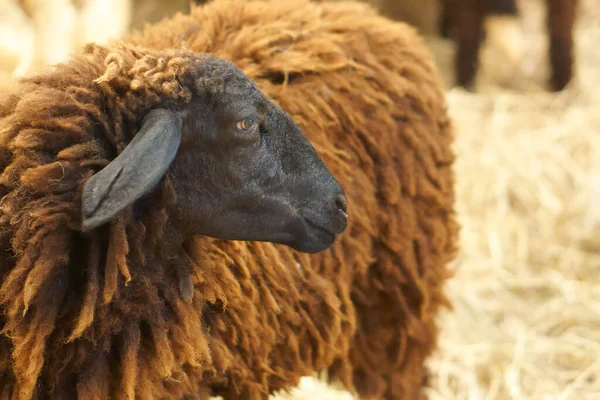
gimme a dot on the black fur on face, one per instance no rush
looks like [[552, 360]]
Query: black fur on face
[[245, 171], [240, 167]]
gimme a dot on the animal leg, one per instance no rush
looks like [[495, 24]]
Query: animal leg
[[560, 22], [465, 25]]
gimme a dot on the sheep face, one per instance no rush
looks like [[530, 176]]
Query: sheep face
[[240, 167], [245, 171]]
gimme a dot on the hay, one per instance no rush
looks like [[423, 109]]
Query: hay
[[526, 323]]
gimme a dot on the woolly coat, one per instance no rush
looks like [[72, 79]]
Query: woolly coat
[[99, 315]]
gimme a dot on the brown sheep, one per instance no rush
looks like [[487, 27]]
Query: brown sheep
[[110, 313]]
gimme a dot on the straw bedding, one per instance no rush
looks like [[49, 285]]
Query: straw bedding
[[526, 323], [526, 319]]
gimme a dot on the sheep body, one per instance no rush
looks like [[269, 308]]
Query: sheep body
[[108, 321]]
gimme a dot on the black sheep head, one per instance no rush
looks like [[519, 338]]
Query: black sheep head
[[241, 168]]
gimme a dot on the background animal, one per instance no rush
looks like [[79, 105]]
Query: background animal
[[467, 22], [122, 320], [465, 19]]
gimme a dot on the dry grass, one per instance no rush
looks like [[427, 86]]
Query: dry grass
[[526, 323]]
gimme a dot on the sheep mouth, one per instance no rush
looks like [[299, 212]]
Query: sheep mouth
[[320, 228], [315, 237]]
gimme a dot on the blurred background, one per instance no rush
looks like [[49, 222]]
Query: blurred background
[[526, 318]]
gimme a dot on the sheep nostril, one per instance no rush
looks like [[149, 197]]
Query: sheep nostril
[[341, 203]]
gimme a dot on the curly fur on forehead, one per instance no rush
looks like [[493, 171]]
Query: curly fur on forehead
[[173, 74]]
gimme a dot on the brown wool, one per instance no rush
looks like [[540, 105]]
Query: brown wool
[[129, 312]]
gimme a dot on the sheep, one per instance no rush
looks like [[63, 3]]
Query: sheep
[[138, 307], [243, 171], [464, 19]]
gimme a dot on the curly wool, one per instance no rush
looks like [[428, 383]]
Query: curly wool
[[100, 315]]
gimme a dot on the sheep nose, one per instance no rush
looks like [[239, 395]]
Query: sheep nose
[[341, 202]]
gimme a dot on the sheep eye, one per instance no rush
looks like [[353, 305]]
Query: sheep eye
[[246, 123]]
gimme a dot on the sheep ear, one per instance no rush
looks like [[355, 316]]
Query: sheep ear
[[137, 170]]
